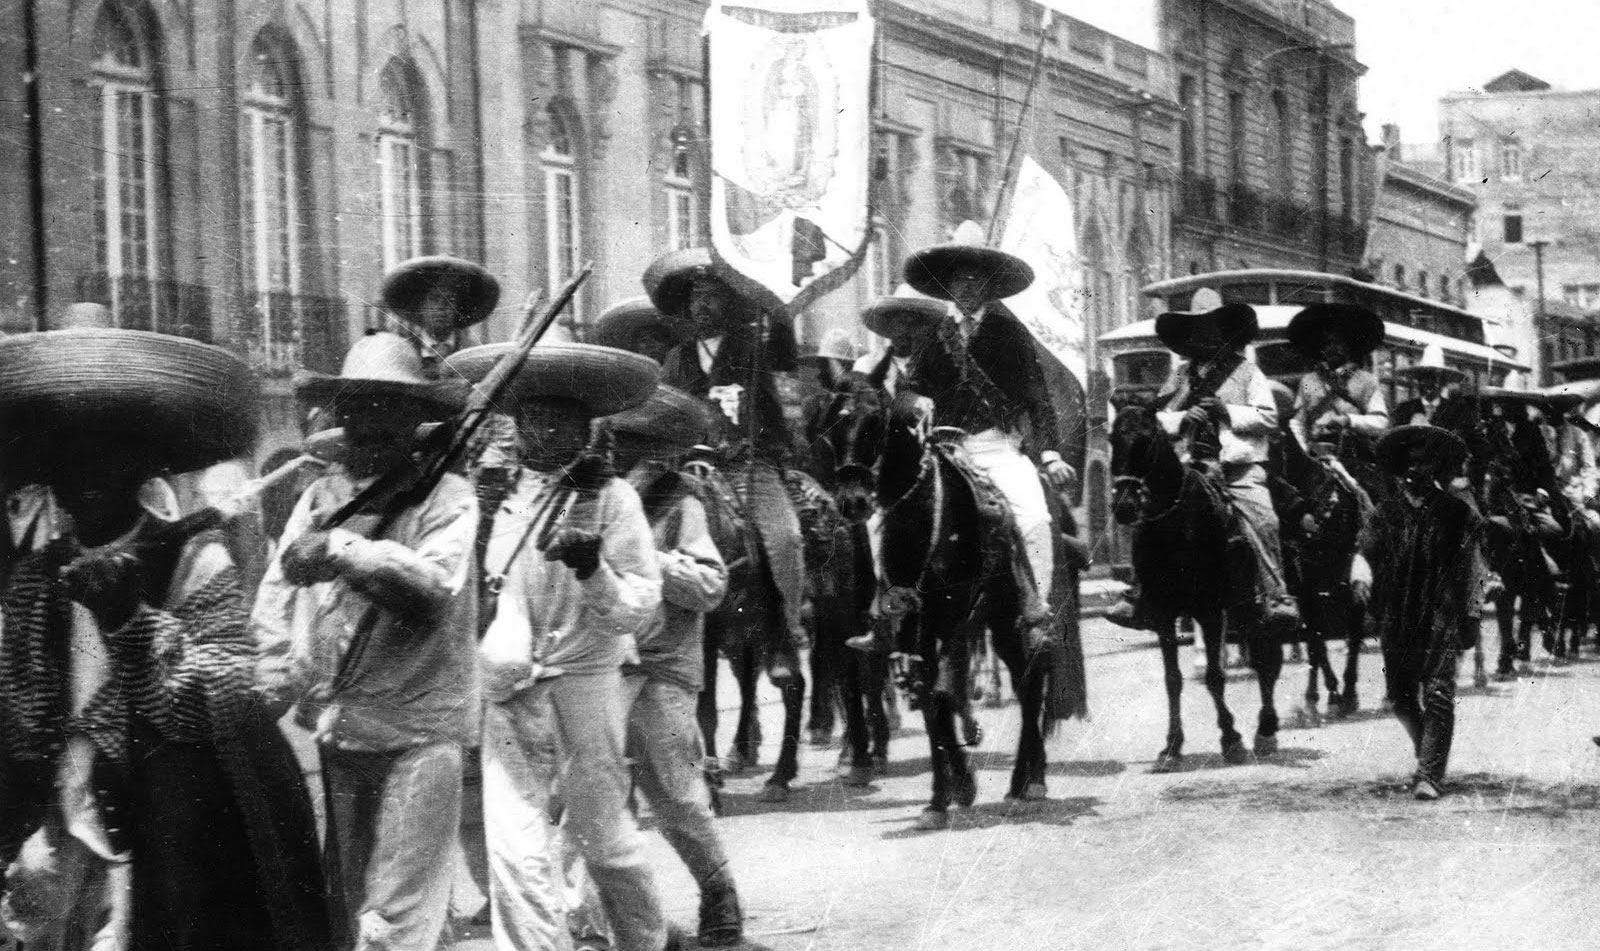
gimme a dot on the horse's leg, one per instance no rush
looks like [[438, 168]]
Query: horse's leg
[[938, 720], [788, 767], [706, 707], [1316, 630], [1172, 753], [1214, 628], [1505, 620], [851, 683], [825, 646], [1266, 655], [1028, 680], [875, 685], [747, 736], [950, 697]]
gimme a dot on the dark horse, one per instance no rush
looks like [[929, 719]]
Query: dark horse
[[1184, 565], [940, 589], [1322, 525]]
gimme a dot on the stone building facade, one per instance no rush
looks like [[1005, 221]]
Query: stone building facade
[[1272, 160], [1420, 230]]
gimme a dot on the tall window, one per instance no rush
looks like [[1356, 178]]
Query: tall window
[[1282, 144], [1347, 176], [561, 200], [683, 204], [1511, 161], [966, 175], [1189, 105], [1466, 160], [1512, 229], [880, 263], [126, 183], [401, 163], [271, 197], [1236, 138]]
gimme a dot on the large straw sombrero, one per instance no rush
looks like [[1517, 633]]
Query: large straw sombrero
[[191, 404], [1360, 326], [670, 277], [836, 345], [379, 368], [669, 416], [473, 290], [604, 379], [930, 269], [887, 314], [1236, 324], [623, 323], [1440, 445]]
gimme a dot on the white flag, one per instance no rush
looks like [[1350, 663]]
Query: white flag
[[1042, 230]]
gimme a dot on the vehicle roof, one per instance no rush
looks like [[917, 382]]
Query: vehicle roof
[[1273, 320], [1220, 279]]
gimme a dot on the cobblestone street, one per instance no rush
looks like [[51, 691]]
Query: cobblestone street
[[1318, 847]]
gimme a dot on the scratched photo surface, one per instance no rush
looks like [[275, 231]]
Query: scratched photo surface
[[810, 475]]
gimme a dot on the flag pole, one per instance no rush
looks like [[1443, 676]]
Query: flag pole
[[1009, 179]]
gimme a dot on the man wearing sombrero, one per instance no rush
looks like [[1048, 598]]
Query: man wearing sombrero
[[373, 638], [432, 300], [985, 380], [1219, 408], [573, 575], [147, 797], [728, 365], [1432, 379], [908, 321], [1340, 395], [662, 688], [1420, 549]]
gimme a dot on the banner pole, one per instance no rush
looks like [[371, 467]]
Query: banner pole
[[1008, 178]]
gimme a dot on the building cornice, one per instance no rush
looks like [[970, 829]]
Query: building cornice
[[553, 36], [1420, 181]]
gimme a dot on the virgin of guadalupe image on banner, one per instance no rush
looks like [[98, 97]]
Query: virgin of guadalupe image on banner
[[790, 89]]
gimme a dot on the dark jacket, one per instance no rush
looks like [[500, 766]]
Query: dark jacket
[[1421, 559], [996, 383], [732, 366]]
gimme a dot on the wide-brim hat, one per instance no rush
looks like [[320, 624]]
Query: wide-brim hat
[[604, 379], [382, 368], [1431, 368], [474, 290], [670, 278], [190, 403], [669, 417], [836, 345], [622, 324], [1441, 445], [1556, 400], [930, 269], [1361, 327], [884, 315], [1236, 324]]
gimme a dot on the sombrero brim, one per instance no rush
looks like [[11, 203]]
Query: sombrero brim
[[442, 398], [475, 289], [605, 379], [930, 269], [669, 279], [190, 403], [1361, 327], [1237, 323], [1422, 372], [1441, 445], [1555, 399], [622, 325], [883, 315], [669, 417]]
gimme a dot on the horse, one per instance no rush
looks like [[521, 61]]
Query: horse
[[861, 680], [1322, 527], [1184, 564], [939, 589]]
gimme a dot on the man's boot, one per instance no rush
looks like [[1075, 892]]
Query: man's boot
[[1129, 611], [721, 916]]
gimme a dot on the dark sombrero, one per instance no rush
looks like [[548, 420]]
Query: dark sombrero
[[1441, 445], [883, 315], [473, 290], [669, 417], [931, 269], [1556, 400], [1361, 327], [1236, 324], [670, 278], [624, 323], [604, 379], [188, 404], [381, 368]]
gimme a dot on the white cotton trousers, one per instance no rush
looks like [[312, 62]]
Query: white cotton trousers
[[999, 456]]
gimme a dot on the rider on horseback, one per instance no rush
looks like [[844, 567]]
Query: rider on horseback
[[727, 363], [1339, 409], [1219, 408], [982, 373]]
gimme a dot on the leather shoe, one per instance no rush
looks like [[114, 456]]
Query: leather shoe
[[721, 917]]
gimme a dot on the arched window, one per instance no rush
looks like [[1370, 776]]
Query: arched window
[[562, 199], [127, 186], [402, 165], [272, 199]]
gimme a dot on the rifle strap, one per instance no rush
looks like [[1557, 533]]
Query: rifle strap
[[1205, 385]]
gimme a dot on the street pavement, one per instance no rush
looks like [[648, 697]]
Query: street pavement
[[1318, 847]]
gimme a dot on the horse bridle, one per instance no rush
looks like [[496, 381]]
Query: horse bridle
[[1142, 487]]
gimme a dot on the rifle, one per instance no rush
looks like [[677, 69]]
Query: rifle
[[398, 489]]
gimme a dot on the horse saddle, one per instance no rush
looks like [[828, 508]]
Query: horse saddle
[[995, 525]]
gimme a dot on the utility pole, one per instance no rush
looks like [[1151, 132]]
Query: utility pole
[[41, 247], [1539, 319]]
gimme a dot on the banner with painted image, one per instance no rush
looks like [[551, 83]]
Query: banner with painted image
[[791, 141]]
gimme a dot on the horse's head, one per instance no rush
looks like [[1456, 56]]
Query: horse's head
[[1137, 443], [854, 429]]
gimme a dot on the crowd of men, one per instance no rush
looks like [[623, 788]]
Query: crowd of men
[[534, 615]]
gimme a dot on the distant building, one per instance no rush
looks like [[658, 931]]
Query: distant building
[[1421, 228], [1531, 155], [1273, 165]]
